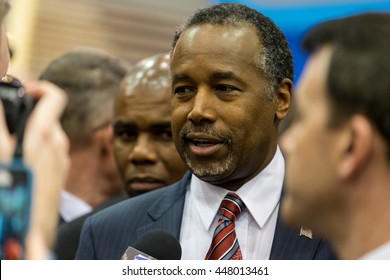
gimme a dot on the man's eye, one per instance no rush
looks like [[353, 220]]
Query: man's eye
[[224, 88], [164, 135], [126, 135], [183, 90]]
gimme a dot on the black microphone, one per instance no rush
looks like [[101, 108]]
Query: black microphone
[[155, 244]]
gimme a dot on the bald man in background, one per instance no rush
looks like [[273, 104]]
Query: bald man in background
[[143, 147], [142, 141]]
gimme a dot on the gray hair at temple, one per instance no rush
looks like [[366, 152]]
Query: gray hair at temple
[[91, 79]]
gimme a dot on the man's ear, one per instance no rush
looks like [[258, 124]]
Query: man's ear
[[359, 142], [103, 138], [283, 98]]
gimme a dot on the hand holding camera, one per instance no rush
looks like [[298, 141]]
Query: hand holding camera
[[45, 152]]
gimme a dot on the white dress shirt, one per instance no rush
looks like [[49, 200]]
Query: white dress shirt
[[255, 227], [380, 253], [72, 207]]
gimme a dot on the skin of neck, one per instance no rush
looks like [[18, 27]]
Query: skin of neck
[[365, 223]]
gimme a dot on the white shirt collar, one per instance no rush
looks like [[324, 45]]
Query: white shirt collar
[[72, 207], [380, 253], [259, 203]]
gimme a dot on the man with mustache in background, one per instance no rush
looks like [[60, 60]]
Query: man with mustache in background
[[143, 148]]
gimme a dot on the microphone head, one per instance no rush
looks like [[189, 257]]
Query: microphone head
[[160, 245]]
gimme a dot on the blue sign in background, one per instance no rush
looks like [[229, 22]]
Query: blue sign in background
[[297, 16]]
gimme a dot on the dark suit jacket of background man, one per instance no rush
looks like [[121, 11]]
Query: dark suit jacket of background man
[[107, 234], [68, 234]]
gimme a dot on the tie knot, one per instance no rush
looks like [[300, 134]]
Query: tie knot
[[231, 206]]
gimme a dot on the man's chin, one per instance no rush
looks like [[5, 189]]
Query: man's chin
[[141, 188], [209, 171]]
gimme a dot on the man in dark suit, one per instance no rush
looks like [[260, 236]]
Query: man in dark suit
[[143, 148], [91, 78], [231, 85]]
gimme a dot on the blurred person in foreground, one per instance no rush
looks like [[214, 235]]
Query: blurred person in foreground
[[142, 143], [91, 78], [45, 149], [231, 85], [338, 147]]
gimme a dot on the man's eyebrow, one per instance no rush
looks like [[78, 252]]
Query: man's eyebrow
[[181, 78], [121, 124], [162, 125]]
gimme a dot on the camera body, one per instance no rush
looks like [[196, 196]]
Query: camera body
[[17, 105], [16, 178]]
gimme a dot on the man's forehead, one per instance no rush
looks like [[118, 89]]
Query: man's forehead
[[312, 85]]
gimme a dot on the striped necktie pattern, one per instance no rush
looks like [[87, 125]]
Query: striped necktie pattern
[[224, 245]]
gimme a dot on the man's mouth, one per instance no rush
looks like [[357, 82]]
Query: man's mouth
[[203, 144], [145, 183]]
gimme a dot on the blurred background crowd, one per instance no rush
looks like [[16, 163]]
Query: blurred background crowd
[[41, 30]]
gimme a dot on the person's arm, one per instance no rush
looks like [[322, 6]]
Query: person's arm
[[45, 149]]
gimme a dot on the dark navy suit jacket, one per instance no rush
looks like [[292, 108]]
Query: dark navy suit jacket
[[107, 234]]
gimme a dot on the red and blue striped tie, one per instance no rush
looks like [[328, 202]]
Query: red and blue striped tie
[[225, 244]]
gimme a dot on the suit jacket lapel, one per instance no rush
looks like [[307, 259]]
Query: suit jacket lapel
[[167, 211]]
